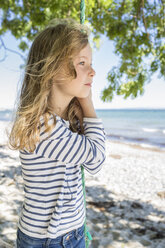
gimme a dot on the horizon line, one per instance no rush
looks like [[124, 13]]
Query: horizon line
[[133, 108]]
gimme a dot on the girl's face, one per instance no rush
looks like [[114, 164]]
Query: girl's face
[[81, 85]]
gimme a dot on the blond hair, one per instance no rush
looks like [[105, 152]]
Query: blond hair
[[53, 49]]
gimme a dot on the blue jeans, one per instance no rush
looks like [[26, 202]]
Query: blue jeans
[[72, 239]]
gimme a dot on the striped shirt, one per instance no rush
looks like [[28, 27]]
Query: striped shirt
[[53, 194]]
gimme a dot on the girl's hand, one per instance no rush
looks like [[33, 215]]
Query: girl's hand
[[86, 99], [87, 106]]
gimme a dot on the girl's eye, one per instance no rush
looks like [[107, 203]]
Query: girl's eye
[[82, 63]]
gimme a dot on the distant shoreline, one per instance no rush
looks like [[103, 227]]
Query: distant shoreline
[[97, 109], [136, 146], [159, 109], [134, 142]]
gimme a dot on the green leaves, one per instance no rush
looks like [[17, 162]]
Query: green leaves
[[23, 45], [136, 27]]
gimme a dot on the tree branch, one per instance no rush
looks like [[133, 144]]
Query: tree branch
[[10, 50], [121, 9], [163, 4], [144, 20], [132, 73]]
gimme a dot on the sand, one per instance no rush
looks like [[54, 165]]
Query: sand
[[126, 199]]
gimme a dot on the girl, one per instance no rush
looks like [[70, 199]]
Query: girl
[[57, 131]]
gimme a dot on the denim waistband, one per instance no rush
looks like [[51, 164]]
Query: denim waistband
[[77, 233]]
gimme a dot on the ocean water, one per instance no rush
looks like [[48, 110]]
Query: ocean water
[[145, 127], [5, 115]]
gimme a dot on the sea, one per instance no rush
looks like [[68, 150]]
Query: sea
[[144, 127]]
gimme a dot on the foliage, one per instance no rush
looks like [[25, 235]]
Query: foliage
[[137, 28]]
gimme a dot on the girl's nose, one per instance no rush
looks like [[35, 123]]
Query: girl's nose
[[92, 72]]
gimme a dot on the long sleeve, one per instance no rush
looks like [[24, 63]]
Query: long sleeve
[[54, 200], [69, 147]]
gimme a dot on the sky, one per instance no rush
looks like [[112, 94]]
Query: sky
[[103, 60]]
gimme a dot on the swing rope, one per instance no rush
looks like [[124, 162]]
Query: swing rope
[[82, 11], [88, 236]]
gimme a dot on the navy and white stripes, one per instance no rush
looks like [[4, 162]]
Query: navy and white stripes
[[54, 203]]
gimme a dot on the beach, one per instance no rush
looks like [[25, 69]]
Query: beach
[[125, 200]]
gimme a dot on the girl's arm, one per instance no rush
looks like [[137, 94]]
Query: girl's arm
[[69, 147]]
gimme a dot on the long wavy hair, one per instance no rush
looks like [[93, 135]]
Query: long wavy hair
[[53, 49]]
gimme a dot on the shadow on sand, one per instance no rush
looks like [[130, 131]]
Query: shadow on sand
[[109, 220], [123, 221]]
